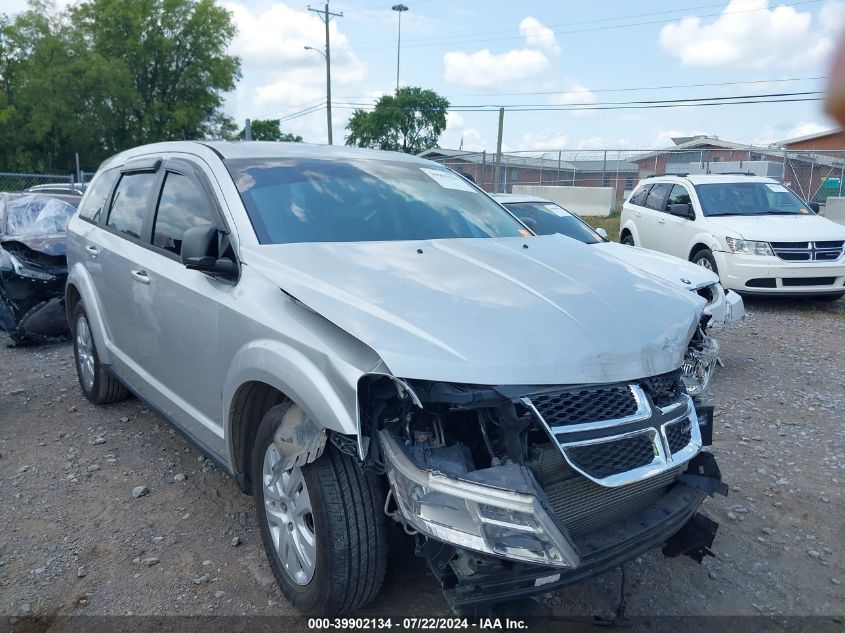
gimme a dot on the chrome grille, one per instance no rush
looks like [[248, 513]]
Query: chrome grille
[[678, 435], [610, 458], [663, 389], [588, 404], [821, 251]]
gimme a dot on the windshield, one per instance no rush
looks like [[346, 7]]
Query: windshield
[[37, 215], [749, 198], [330, 200], [547, 218]]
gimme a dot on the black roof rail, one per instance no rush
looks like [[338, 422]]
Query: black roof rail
[[679, 175], [732, 173]]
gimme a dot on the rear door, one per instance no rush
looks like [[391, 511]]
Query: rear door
[[649, 225], [114, 249], [181, 360]]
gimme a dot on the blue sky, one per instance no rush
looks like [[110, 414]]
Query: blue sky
[[483, 52], [478, 52]]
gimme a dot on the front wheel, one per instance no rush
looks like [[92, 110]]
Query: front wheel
[[705, 259], [628, 239], [322, 524]]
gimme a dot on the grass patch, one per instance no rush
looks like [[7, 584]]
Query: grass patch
[[609, 224]]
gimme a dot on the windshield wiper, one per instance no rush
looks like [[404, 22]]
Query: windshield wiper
[[778, 212]]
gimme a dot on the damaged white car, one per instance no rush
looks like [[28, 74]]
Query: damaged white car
[[362, 337], [723, 307]]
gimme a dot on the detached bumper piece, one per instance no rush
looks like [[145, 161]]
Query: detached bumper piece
[[471, 579]]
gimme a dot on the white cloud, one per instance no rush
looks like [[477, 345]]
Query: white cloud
[[484, 69], [280, 76], [458, 132], [577, 95], [538, 36], [750, 34]]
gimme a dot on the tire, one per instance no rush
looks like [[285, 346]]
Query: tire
[[705, 259], [98, 386], [628, 240], [347, 524]]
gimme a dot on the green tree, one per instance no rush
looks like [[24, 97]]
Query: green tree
[[410, 121], [268, 130], [106, 75]]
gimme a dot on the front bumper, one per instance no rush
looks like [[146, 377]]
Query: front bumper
[[600, 551], [770, 275]]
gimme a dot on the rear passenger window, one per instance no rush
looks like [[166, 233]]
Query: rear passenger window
[[130, 203], [678, 195], [98, 195], [657, 196], [640, 195], [180, 207]]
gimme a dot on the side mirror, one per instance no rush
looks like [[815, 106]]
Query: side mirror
[[682, 211], [199, 251], [602, 233], [814, 206]]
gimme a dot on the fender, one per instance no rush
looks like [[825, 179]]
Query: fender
[[326, 394], [79, 278], [704, 238], [632, 229]]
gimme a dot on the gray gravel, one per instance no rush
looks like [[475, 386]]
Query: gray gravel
[[76, 541]]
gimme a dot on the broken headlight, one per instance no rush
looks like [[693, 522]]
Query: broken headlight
[[491, 520], [699, 364], [22, 270]]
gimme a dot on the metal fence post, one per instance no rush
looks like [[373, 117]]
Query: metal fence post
[[557, 181]]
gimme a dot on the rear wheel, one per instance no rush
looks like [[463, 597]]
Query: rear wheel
[[705, 259], [97, 385], [322, 525], [628, 239]]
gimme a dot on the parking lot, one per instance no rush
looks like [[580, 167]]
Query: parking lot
[[75, 540]]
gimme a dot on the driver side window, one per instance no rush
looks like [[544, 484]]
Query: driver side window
[[678, 195], [181, 206]]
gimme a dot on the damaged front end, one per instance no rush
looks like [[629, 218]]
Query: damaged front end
[[33, 265], [32, 285], [700, 361], [519, 489]]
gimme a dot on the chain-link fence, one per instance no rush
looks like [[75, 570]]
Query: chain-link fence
[[814, 175], [22, 182]]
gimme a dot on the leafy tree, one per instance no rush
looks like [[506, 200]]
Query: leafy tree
[[410, 121], [106, 75], [268, 130]]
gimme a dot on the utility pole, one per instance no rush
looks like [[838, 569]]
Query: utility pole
[[399, 8], [326, 16], [497, 170]]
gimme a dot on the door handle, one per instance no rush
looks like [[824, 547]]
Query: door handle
[[141, 276], [661, 221], [639, 215], [92, 250]]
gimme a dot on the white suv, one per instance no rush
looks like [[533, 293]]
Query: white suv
[[754, 232]]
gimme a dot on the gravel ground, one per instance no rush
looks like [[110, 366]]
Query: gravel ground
[[77, 541]]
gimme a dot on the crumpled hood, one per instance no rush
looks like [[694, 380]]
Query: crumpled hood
[[490, 311], [53, 245], [781, 228], [668, 267]]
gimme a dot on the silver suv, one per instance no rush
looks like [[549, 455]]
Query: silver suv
[[362, 337]]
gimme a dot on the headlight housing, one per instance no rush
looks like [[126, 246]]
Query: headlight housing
[[474, 516], [23, 270], [748, 247]]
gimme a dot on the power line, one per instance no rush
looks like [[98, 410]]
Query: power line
[[514, 106], [629, 89], [572, 31]]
